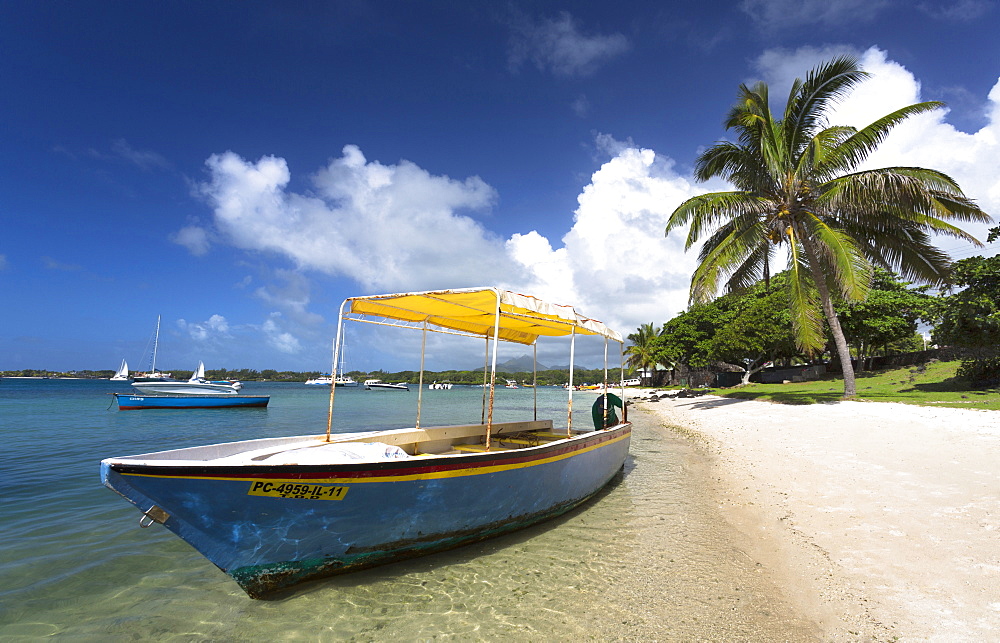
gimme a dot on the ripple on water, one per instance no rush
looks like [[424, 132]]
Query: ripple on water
[[650, 558]]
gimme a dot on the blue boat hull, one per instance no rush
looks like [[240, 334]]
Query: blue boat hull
[[127, 402], [273, 526]]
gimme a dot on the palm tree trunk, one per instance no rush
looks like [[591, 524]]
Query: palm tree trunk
[[843, 350]]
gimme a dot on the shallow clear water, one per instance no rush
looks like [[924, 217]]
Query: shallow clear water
[[648, 559]]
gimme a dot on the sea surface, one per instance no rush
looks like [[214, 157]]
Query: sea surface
[[648, 559]]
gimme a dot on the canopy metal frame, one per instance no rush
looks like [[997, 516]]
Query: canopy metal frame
[[525, 323]]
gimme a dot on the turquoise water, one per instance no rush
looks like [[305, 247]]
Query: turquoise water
[[647, 559]]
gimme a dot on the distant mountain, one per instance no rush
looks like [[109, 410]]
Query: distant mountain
[[522, 364]]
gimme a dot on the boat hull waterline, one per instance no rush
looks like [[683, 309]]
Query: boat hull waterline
[[273, 526], [130, 402]]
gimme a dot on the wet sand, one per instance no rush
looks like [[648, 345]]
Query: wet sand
[[882, 521]]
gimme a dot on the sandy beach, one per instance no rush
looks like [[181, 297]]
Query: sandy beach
[[881, 520]]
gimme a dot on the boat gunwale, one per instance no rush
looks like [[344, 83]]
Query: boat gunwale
[[414, 465]]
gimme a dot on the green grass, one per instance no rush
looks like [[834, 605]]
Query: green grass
[[936, 385]]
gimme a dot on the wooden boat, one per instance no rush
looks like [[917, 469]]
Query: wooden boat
[[275, 512], [127, 402]]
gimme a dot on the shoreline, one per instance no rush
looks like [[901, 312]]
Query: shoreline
[[880, 519]]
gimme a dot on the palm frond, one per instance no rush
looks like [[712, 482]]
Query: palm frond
[[706, 211], [729, 250], [804, 112], [803, 303], [842, 260], [854, 150]]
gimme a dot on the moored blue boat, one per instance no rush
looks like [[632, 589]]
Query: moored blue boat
[[130, 402], [275, 512]]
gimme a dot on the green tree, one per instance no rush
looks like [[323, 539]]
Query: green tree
[[758, 330], [642, 353], [888, 315], [797, 189], [971, 318], [685, 338]]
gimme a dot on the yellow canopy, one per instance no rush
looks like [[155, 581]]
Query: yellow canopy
[[522, 318]]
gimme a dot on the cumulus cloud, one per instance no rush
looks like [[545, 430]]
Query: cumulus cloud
[[214, 328], [398, 227], [385, 226], [558, 46], [291, 296], [278, 338], [194, 238], [615, 258]]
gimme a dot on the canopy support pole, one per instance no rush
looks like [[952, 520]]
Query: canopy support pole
[[569, 405], [621, 381], [486, 367], [604, 418], [534, 377], [336, 355], [493, 371], [420, 380]]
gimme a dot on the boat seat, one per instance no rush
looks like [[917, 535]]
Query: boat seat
[[554, 435], [533, 441], [478, 447]]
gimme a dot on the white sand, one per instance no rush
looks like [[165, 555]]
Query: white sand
[[882, 520]]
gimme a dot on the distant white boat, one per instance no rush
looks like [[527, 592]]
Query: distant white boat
[[194, 386], [326, 380], [439, 386], [122, 373], [379, 385], [511, 384]]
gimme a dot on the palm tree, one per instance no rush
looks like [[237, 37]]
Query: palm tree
[[798, 190], [641, 355]]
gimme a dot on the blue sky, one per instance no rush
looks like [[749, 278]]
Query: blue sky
[[241, 168]]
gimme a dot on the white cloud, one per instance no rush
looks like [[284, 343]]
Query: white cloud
[[558, 46], [54, 264], [3, 262], [773, 15], [615, 261], [279, 339], [385, 226], [958, 11], [292, 297], [214, 328], [397, 227], [145, 159], [194, 238]]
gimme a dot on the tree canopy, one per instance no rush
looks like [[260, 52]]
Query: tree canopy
[[798, 190]]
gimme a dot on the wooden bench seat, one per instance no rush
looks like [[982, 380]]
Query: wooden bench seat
[[479, 447]]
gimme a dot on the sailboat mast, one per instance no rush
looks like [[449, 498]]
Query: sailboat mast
[[156, 340]]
